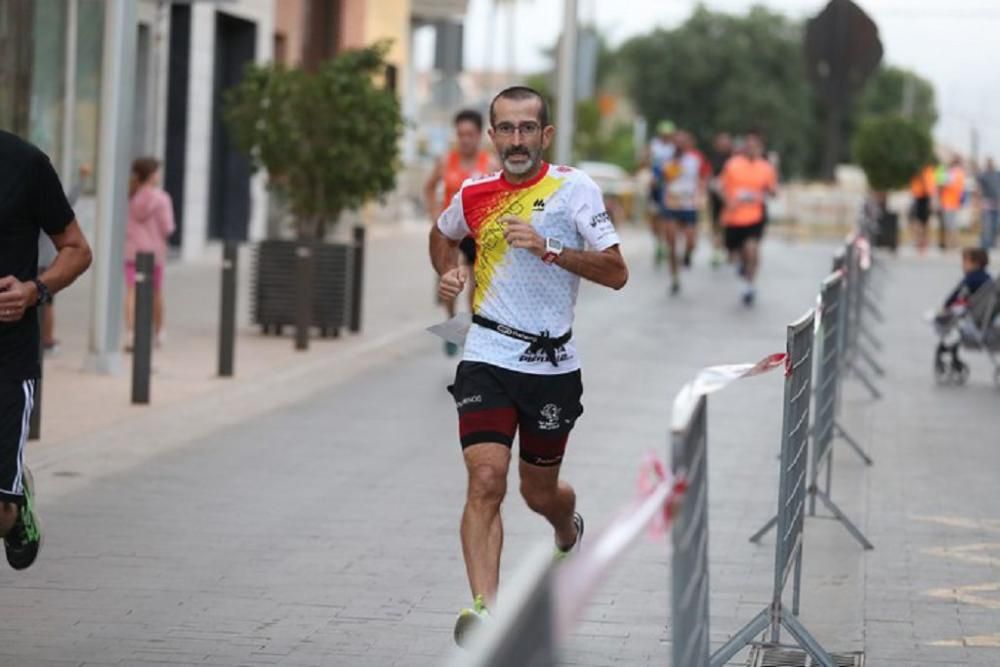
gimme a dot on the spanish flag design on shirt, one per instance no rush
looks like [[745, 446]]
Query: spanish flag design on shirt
[[513, 286]]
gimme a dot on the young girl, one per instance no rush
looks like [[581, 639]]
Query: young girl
[[150, 224]]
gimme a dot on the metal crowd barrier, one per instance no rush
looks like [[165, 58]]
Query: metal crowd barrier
[[793, 482], [826, 427], [857, 269], [689, 565]]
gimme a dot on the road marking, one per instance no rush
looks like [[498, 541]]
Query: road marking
[[969, 553], [970, 594], [977, 641], [961, 522]]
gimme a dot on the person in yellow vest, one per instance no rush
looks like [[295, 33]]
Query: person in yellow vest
[[951, 195]]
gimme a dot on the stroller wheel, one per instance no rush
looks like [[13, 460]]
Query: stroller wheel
[[960, 373], [941, 374]]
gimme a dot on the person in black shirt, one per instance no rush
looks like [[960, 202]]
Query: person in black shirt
[[31, 201]]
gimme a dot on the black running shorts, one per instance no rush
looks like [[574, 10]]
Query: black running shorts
[[15, 411], [736, 237], [493, 403]]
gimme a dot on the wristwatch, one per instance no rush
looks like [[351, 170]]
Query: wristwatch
[[553, 248], [44, 295]]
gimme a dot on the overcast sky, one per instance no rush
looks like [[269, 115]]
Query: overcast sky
[[954, 43]]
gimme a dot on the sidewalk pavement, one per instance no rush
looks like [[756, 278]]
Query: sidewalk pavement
[[308, 514]]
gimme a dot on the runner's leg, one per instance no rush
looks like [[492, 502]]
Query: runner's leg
[[551, 497], [690, 241], [8, 515], [751, 259], [670, 240], [482, 528]]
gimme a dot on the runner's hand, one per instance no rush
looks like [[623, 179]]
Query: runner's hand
[[520, 234], [15, 298], [452, 283]]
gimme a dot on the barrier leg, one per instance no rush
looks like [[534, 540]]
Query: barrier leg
[[871, 338], [866, 381], [797, 585], [870, 360], [870, 306], [771, 523], [846, 437], [842, 518], [807, 641], [742, 638]]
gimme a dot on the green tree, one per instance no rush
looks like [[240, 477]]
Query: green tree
[[723, 72], [328, 139], [891, 149], [886, 93]]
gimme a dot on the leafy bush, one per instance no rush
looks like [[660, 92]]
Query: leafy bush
[[328, 139], [891, 149]]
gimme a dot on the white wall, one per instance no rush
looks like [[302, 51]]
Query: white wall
[[200, 99]]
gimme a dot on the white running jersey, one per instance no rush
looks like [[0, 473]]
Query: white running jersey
[[513, 286]]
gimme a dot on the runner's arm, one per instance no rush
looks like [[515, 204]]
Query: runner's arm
[[605, 267], [444, 252]]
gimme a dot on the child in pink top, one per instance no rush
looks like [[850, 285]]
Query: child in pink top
[[150, 224]]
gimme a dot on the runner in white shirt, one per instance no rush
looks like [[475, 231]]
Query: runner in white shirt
[[683, 190], [538, 229]]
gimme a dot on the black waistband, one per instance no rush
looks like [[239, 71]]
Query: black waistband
[[542, 342]]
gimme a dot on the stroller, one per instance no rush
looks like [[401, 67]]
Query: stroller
[[972, 325]]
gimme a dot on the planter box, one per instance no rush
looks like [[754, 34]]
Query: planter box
[[273, 294]]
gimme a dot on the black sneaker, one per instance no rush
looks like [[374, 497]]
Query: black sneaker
[[24, 539]]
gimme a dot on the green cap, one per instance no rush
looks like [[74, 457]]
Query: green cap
[[665, 127]]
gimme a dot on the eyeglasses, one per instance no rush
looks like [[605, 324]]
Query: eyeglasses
[[528, 129]]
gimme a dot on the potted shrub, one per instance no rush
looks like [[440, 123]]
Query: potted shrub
[[890, 149], [329, 140]]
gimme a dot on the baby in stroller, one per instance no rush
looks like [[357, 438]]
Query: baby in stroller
[[970, 319]]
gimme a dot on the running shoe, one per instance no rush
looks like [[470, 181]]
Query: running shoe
[[687, 259], [675, 287], [717, 258], [24, 539], [749, 296], [450, 349], [562, 554], [470, 619]]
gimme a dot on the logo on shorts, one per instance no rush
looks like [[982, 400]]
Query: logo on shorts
[[550, 417], [470, 400], [539, 205]]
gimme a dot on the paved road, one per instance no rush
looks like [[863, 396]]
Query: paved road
[[324, 532]]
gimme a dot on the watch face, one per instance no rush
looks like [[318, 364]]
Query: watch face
[[553, 245]]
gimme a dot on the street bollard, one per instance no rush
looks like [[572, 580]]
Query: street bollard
[[357, 279], [35, 421], [227, 309], [303, 296], [142, 347]]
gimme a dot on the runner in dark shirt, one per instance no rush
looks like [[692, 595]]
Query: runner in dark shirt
[[32, 201]]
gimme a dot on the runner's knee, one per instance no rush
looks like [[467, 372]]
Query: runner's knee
[[538, 498], [487, 484]]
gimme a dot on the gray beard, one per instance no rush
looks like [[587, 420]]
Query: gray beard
[[521, 169]]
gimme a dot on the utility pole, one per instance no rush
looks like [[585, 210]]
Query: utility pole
[[117, 83], [566, 93]]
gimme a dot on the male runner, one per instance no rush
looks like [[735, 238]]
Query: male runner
[[682, 179], [465, 161], [539, 228], [31, 201], [661, 150], [747, 180]]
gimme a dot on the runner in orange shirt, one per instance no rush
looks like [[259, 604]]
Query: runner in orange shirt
[[746, 182], [467, 160], [923, 187]]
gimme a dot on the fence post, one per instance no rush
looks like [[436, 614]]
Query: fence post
[[142, 346], [227, 309], [357, 279], [689, 562], [303, 295]]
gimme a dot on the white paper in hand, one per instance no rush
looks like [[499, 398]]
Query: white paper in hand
[[453, 330]]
